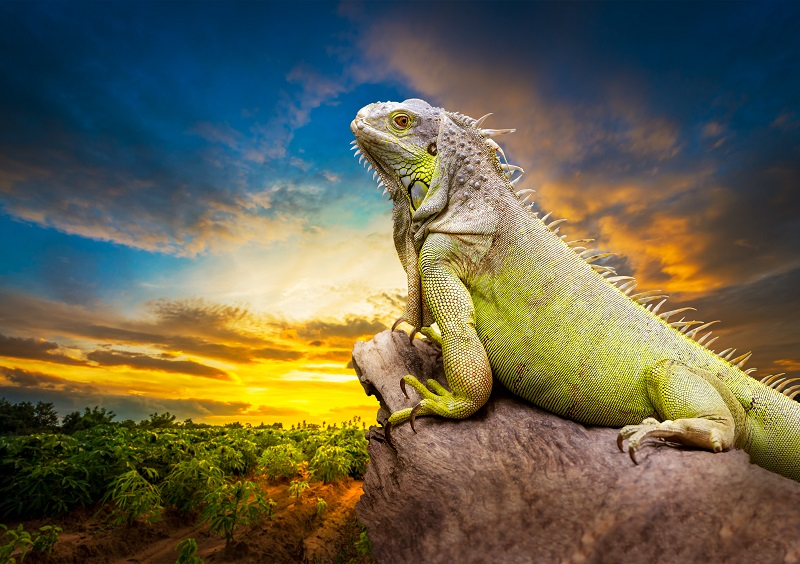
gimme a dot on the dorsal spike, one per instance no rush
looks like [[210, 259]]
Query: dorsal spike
[[770, 379], [740, 361], [556, 222], [579, 241], [708, 346], [667, 314], [480, 120], [786, 382], [704, 337], [606, 269], [546, 216], [784, 387], [722, 354], [658, 306], [749, 371], [683, 323], [496, 132], [646, 299], [695, 331], [593, 258], [619, 278]]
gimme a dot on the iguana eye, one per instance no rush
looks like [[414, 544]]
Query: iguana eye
[[401, 121]]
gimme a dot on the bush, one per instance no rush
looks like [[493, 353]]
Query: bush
[[331, 463], [189, 482], [280, 461], [135, 498], [231, 505]]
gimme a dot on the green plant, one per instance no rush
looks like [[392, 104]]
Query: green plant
[[322, 505], [297, 487], [47, 536], [330, 463], [231, 505], [189, 482], [19, 538], [188, 552], [135, 498], [363, 545], [279, 461]]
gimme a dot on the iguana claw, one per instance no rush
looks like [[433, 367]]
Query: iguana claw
[[414, 415], [387, 433], [403, 388], [636, 435], [396, 323]]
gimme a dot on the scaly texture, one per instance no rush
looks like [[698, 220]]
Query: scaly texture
[[513, 300]]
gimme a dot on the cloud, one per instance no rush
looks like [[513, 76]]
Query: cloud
[[17, 347], [630, 157], [40, 381], [147, 362]]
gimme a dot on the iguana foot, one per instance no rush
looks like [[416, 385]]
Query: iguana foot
[[440, 402], [636, 434], [432, 335], [680, 431]]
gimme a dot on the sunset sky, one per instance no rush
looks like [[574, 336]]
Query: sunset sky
[[183, 228]]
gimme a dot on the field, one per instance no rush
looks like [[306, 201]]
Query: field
[[166, 492]]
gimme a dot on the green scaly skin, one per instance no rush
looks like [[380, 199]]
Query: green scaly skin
[[514, 301]]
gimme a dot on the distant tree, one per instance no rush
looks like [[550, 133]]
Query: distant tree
[[24, 417], [234, 425], [45, 415], [74, 421], [158, 420]]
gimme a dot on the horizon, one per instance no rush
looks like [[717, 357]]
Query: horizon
[[186, 230]]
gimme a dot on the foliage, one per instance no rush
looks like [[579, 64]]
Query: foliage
[[24, 417], [18, 538], [135, 498], [363, 544], [330, 463], [188, 552], [231, 505], [47, 536], [280, 461], [74, 421], [189, 483], [322, 505], [297, 487], [139, 468]]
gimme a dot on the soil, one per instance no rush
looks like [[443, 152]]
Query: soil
[[296, 533]]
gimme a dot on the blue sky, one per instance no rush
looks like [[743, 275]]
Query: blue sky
[[183, 227]]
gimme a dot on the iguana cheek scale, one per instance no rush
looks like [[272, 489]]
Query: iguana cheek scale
[[514, 301]]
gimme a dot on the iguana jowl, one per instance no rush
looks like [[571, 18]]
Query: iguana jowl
[[514, 300]]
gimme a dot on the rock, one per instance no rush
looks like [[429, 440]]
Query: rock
[[514, 483]]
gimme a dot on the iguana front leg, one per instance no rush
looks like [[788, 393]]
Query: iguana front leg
[[466, 365]]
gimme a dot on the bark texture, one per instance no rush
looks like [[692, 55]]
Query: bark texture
[[514, 483]]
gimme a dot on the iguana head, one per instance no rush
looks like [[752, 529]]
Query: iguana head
[[398, 140]]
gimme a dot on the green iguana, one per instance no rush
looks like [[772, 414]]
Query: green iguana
[[513, 299]]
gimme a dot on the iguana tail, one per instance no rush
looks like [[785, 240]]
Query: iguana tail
[[772, 433]]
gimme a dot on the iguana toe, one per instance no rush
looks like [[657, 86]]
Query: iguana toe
[[636, 435]]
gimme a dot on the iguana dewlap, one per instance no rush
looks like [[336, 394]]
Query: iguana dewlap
[[515, 301]]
